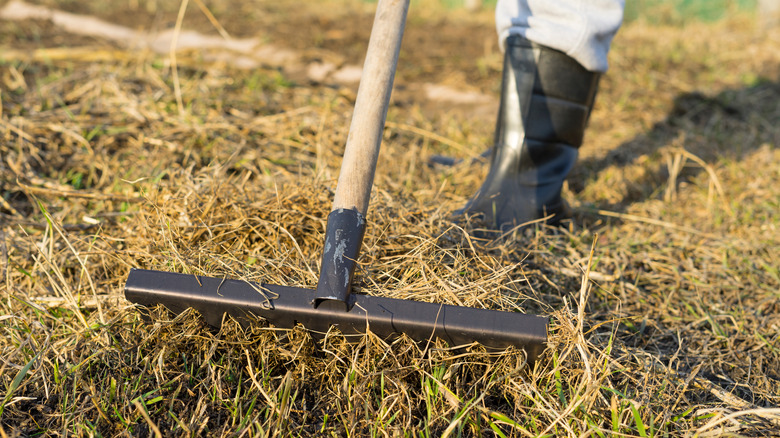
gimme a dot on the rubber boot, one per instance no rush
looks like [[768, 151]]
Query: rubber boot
[[546, 98]]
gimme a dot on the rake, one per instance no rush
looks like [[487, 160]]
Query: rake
[[332, 303]]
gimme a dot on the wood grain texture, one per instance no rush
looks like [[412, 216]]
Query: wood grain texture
[[368, 120]]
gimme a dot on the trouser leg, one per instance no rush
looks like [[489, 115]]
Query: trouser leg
[[582, 29]]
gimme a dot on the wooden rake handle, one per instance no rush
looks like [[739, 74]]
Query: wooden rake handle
[[368, 120]]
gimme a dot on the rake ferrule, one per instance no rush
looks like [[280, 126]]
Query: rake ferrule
[[343, 237]]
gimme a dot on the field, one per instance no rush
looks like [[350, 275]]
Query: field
[[663, 292]]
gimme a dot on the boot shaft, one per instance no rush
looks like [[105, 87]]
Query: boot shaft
[[546, 99], [545, 95]]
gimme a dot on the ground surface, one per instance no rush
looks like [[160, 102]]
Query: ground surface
[[109, 160]]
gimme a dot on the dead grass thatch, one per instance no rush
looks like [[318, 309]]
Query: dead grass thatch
[[662, 294]]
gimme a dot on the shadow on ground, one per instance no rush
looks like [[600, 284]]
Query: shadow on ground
[[727, 126]]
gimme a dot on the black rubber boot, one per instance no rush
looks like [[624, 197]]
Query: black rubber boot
[[546, 98]]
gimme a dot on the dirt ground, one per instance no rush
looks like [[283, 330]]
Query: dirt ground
[[457, 47], [662, 292]]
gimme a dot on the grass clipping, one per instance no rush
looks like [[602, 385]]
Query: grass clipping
[[666, 322]]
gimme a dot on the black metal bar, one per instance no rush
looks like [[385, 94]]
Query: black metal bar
[[285, 307], [343, 237]]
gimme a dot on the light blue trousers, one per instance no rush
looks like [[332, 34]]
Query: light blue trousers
[[583, 29]]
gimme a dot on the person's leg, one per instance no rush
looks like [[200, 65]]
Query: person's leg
[[582, 29], [546, 98]]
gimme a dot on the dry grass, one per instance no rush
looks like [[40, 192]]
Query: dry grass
[[663, 294]]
